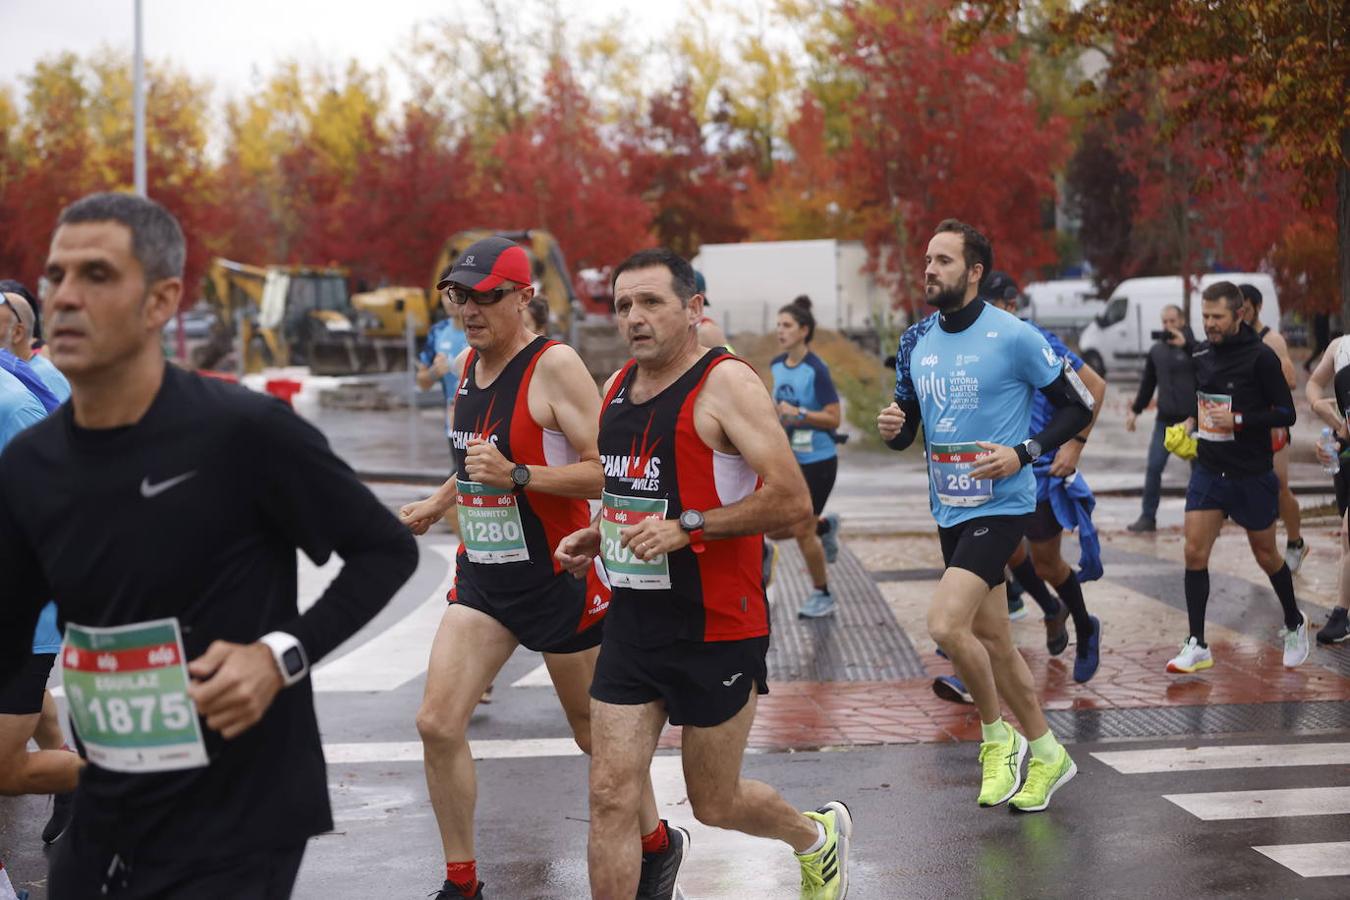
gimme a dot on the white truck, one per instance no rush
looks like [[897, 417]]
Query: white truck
[[749, 282], [1119, 340], [1065, 307]]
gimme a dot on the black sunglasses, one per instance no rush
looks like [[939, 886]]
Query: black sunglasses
[[460, 296]]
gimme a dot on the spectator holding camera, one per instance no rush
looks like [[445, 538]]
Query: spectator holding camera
[[1170, 371]]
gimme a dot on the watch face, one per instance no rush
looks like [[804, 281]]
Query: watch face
[[1033, 448], [520, 475], [691, 520], [293, 661]]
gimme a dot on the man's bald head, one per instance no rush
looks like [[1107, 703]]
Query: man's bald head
[[17, 325]]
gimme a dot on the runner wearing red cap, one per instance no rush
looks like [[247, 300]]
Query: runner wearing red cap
[[524, 441]]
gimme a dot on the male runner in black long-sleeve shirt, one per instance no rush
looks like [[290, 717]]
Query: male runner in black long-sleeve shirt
[[155, 503], [1241, 396]]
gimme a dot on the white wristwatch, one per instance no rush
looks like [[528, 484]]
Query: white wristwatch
[[289, 654]]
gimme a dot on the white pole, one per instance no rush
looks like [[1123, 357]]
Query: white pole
[[138, 79]]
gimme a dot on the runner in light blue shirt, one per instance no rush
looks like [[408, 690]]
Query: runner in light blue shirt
[[968, 376]]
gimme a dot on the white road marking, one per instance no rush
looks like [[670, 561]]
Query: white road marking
[[536, 677], [1198, 759], [411, 751], [395, 656], [1311, 860], [1217, 805]]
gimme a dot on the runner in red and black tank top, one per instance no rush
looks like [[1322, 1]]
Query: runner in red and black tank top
[[653, 456], [500, 413]]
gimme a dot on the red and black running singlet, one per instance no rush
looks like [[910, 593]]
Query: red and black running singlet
[[656, 465], [509, 538]]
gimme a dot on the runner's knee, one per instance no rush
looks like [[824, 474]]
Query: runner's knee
[[944, 629], [437, 727], [714, 809], [613, 792]]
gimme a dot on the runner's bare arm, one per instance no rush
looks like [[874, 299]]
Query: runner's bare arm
[[1324, 407], [736, 407], [570, 404], [1277, 343], [422, 514]]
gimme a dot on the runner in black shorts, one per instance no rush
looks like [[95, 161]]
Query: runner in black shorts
[[696, 468], [1242, 394], [968, 375], [188, 500], [525, 421], [1333, 373], [808, 407]]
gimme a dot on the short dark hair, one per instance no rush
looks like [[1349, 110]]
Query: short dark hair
[[800, 310], [156, 237], [1225, 291], [1252, 294], [975, 247], [681, 273], [11, 286]]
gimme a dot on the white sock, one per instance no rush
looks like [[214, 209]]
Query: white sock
[[820, 841]]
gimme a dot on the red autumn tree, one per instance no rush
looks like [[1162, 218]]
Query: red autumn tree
[[556, 172], [690, 189], [939, 134]]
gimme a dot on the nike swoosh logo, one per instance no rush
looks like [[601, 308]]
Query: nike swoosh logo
[[732, 680], [149, 490]]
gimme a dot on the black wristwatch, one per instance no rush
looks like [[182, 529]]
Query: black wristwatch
[[1028, 450], [520, 477], [691, 521]]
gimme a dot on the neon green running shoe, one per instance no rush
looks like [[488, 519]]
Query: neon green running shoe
[[1043, 779], [825, 872], [1001, 762]]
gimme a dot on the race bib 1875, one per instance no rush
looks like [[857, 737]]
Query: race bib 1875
[[127, 689]]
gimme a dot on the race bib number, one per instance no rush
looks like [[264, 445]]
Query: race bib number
[[489, 524], [802, 440], [1206, 405], [626, 570], [127, 690], [950, 466]]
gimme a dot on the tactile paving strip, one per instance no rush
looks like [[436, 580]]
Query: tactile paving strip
[[860, 642], [1232, 718]]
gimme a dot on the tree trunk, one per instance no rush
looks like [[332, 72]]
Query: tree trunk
[[1343, 227]]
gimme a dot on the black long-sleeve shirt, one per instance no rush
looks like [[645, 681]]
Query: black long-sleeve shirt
[[1245, 369], [86, 519], [1171, 371]]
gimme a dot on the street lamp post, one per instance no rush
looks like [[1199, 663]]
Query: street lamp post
[[138, 81]]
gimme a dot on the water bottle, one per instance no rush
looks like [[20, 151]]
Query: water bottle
[[1328, 443]]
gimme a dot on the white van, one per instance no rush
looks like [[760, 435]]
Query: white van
[[1119, 341], [1066, 305]]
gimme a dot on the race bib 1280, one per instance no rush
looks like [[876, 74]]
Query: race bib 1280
[[950, 466], [127, 689], [489, 524]]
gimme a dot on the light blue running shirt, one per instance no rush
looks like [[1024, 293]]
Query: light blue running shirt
[[976, 385], [806, 385], [51, 376], [445, 337], [18, 410]]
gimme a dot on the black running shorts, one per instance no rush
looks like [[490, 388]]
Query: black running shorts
[[80, 869], [982, 545], [23, 695], [1042, 525], [554, 618], [702, 684], [1251, 501], [820, 478]]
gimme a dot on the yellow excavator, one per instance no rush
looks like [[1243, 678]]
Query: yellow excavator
[[593, 336], [287, 315]]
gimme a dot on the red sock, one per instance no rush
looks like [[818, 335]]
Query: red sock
[[657, 841], [463, 875]]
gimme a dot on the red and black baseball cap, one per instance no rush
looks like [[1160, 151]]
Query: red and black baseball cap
[[486, 264]]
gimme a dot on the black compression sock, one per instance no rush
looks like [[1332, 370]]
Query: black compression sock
[[1072, 595], [822, 527], [1293, 544], [1026, 576], [823, 588], [1283, 583], [1197, 596]]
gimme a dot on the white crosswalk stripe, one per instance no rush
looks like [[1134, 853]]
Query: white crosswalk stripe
[[1314, 860]]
